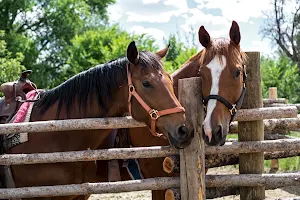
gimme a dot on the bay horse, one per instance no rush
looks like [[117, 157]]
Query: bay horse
[[220, 65], [136, 83]]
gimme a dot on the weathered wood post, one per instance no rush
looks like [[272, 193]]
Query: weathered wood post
[[252, 163], [192, 158], [273, 93], [274, 163]]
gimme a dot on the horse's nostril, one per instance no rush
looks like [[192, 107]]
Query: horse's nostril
[[183, 131]]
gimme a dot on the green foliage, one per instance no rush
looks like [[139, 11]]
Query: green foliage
[[178, 54], [10, 68], [102, 45], [42, 30], [283, 74], [174, 48], [285, 164]]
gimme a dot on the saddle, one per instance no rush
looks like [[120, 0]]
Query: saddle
[[14, 95]]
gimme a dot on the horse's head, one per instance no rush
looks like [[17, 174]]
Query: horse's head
[[223, 74], [159, 107]]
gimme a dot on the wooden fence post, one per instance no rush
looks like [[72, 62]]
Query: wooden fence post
[[252, 163], [273, 93], [192, 158], [274, 163]]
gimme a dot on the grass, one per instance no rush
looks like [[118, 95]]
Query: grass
[[285, 164], [232, 136], [294, 134]]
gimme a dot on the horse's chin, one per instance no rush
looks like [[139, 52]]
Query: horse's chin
[[177, 144]]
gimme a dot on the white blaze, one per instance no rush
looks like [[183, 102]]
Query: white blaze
[[216, 67]]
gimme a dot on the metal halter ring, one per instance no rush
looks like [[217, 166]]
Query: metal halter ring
[[233, 109], [154, 114], [131, 88]]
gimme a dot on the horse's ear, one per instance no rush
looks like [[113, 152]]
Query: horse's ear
[[204, 37], [132, 53], [163, 52], [234, 33]]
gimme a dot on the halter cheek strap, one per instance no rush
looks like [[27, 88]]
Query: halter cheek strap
[[154, 114]]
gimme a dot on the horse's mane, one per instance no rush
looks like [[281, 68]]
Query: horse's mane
[[102, 81]]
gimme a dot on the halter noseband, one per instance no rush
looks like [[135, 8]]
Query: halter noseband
[[154, 114], [231, 107]]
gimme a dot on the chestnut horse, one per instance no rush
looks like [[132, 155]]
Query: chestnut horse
[[220, 65], [102, 91]]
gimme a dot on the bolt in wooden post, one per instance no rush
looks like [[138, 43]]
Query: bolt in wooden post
[[192, 158], [252, 163]]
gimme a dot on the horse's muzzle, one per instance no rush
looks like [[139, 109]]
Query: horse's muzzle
[[183, 138], [217, 136]]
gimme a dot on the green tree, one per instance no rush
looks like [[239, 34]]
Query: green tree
[[282, 26], [178, 53], [100, 46], [10, 68], [174, 48], [281, 73], [42, 30]]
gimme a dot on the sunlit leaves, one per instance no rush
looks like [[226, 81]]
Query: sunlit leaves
[[98, 46], [283, 74]]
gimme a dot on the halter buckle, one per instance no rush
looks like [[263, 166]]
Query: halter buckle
[[154, 114], [204, 108], [233, 109], [131, 88]]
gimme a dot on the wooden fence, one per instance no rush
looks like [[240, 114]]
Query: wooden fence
[[193, 182]]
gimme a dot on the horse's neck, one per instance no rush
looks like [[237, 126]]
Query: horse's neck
[[188, 70], [116, 107]]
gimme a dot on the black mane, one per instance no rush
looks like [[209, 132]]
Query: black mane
[[101, 80]]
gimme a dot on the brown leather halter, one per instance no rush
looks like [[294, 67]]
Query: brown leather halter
[[154, 114]]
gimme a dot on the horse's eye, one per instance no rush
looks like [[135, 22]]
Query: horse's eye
[[146, 84], [237, 73]]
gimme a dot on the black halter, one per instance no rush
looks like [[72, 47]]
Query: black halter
[[232, 107]]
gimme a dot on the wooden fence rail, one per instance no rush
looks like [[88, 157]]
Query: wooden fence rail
[[128, 122], [255, 146], [88, 155], [220, 160], [284, 105], [91, 188], [71, 124], [255, 114], [171, 163], [147, 152], [268, 180], [278, 180], [276, 100], [274, 124]]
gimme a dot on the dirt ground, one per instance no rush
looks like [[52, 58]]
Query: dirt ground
[[277, 194], [292, 193]]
